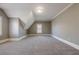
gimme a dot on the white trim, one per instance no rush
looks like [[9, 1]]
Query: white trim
[[17, 39], [39, 34], [4, 40], [67, 42], [22, 37], [63, 10]]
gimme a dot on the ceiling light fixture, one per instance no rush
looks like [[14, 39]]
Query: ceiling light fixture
[[39, 9]]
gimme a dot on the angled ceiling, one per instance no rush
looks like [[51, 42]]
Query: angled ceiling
[[22, 10]]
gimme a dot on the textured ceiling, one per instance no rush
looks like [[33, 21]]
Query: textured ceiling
[[22, 10]]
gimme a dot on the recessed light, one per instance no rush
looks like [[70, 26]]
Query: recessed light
[[39, 9]]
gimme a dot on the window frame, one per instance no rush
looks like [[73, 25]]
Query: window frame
[[39, 28]]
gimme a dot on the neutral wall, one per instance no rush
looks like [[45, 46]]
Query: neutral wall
[[66, 25], [29, 20], [22, 31], [46, 27], [5, 27], [13, 27]]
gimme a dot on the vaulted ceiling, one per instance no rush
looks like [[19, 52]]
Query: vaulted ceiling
[[41, 11]]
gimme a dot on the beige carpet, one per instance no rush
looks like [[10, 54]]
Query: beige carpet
[[37, 45]]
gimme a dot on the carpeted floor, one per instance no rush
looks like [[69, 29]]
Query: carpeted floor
[[37, 45]]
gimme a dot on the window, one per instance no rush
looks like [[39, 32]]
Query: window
[[0, 26], [39, 28]]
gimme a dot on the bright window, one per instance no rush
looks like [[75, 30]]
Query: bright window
[[39, 28], [0, 25]]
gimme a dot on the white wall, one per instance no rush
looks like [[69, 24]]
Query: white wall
[[18, 27], [15, 28], [5, 27], [29, 21], [66, 25], [22, 31], [0, 25]]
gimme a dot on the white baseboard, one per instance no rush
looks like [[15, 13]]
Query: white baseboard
[[67, 42], [22, 37], [17, 39], [4, 40]]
